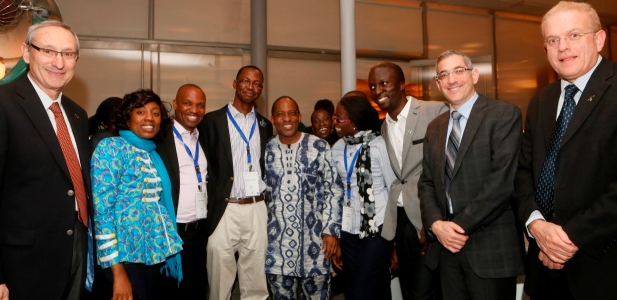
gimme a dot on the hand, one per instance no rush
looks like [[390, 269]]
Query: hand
[[336, 260], [122, 284], [330, 245], [394, 260], [450, 235], [549, 263], [4, 292], [423, 240], [553, 241]]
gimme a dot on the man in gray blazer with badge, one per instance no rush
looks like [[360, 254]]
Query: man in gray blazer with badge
[[466, 186], [403, 132]]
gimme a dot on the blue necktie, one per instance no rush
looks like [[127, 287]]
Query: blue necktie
[[454, 141], [546, 184]]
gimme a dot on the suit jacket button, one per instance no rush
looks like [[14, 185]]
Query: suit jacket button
[[231, 178], [226, 199], [70, 193], [69, 232]]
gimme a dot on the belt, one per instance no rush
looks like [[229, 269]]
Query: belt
[[190, 226], [247, 200]]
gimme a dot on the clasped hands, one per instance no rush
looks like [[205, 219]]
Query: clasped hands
[[556, 248]]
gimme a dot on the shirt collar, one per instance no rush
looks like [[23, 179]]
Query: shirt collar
[[581, 82], [45, 99], [404, 113], [183, 130], [234, 112], [465, 109]]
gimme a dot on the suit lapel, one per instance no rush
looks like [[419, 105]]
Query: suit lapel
[[33, 107], [224, 132], [410, 128], [475, 118], [549, 113], [596, 86], [390, 148], [440, 151]]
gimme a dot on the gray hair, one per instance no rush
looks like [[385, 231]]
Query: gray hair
[[594, 20], [447, 53], [32, 31]]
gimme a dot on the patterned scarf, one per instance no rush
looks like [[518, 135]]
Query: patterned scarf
[[364, 175], [173, 264]]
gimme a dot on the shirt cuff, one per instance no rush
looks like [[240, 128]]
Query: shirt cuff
[[535, 215]]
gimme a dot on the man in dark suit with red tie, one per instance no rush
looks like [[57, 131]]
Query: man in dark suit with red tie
[[44, 173], [465, 189], [566, 182]]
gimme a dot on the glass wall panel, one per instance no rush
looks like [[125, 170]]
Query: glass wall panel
[[221, 21], [306, 81], [103, 73], [467, 32], [389, 27], [112, 18], [522, 67], [304, 24], [213, 73]]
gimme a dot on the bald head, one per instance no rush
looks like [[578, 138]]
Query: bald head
[[190, 106]]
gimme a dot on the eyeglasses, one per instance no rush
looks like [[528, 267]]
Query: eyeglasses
[[335, 120], [255, 84], [457, 71], [572, 38], [52, 53]]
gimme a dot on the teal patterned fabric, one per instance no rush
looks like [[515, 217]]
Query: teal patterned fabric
[[130, 223]]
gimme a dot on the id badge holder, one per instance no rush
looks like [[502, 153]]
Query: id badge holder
[[251, 184], [201, 203], [347, 217]]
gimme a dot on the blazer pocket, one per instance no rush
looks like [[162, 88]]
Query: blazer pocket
[[420, 141], [17, 237]]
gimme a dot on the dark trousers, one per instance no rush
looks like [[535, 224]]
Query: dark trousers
[[459, 282], [142, 278], [194, 284], [367, 267], [77, 278], [552, 285], [416, 279]]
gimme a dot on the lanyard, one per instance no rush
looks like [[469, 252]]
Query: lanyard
[[188, 151], [350, 170], [248, 146]]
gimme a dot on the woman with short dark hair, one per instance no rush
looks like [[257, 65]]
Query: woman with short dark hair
[[362, 162], [135, 232]]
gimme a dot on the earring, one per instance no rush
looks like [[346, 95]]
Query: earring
[[355, 128]]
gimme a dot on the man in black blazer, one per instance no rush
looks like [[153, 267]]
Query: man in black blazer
[[43, 233], [236, 137], [465, 189], [182, 152], [566, 183]]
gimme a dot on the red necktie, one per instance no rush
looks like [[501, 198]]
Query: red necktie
[[71, 162]]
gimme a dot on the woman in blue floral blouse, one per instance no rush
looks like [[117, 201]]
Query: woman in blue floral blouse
[[134, 216]]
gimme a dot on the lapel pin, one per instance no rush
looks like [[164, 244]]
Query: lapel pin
[[410, 131], [76, 116], [262, 123], [591, 98]]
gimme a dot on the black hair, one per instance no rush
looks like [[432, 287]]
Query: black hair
[[326, 105], [248, 67], [138, 99], [284, 97], [361, 113], [394, 67], [101, 119]]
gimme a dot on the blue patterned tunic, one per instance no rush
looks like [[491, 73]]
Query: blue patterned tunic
[[299, 215], [131, 225]]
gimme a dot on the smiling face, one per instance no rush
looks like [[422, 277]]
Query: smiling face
[[572, 60], [456, 88], [387, 90], [190, 107], [145, 121], [342, 124], [286, 118], [50, 74], [321, 122], [248, 86]]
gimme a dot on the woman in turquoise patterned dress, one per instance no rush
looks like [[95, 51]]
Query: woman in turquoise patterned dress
[[134, 217]]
